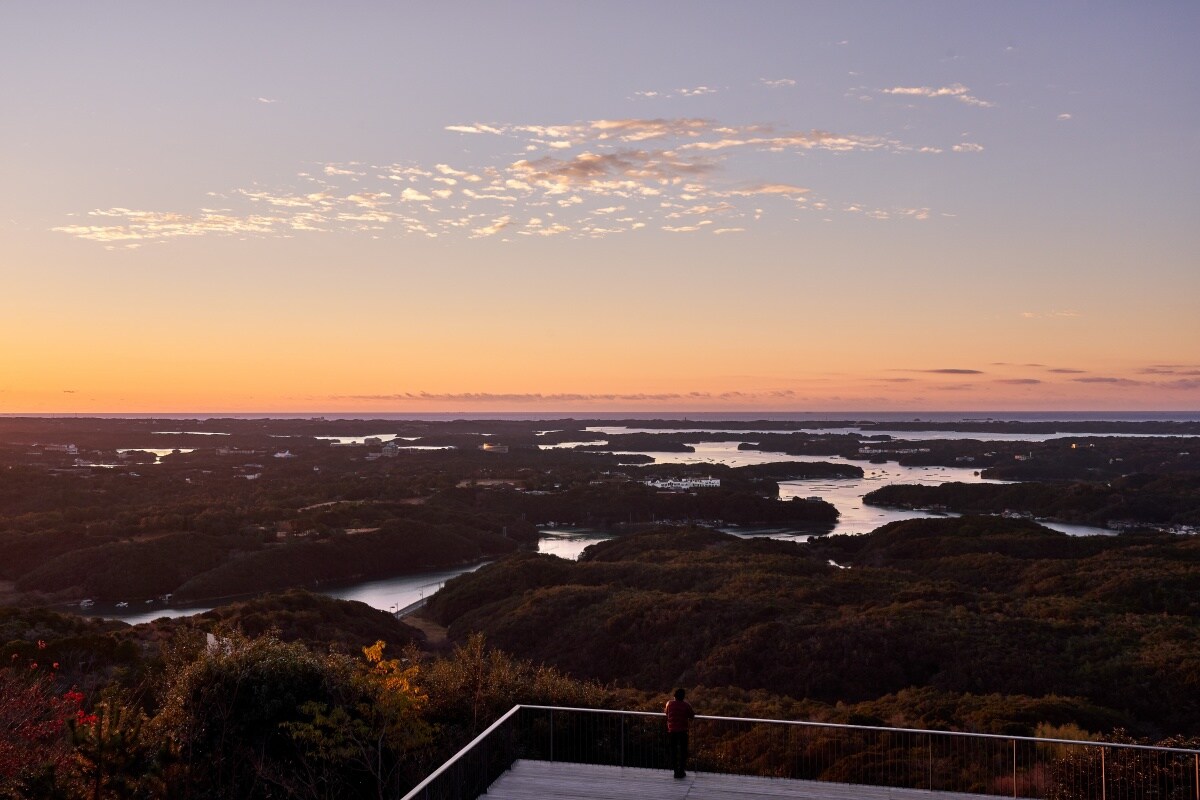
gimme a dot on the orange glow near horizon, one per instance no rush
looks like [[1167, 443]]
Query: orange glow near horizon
[[801, 211]]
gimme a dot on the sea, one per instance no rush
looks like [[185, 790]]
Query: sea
[[691, 416]]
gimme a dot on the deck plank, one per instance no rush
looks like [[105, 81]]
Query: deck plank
[[535, 780]]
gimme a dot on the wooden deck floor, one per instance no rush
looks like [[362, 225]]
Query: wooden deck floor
[[537, 780]]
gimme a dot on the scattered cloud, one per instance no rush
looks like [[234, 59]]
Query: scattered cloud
[[1171, 369], [494, 228], [967, 147], [566, 397], [1110, 381], [267, 100], [695, 91], [950, 371], [1054, 314], [955, 90], [674, 174], [1018, 381], [778, 83], [1063, 117], [1067, 371]]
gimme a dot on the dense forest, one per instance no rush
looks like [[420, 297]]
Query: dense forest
[[976, 623], [966, 606], [1128, 501]]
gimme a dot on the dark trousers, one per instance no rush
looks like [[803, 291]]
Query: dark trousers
[[678, 741]]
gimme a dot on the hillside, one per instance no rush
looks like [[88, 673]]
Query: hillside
[[965, 606]]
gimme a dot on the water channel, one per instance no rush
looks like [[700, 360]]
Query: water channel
[[395, 594]]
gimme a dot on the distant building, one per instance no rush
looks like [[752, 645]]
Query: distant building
[[233, 451], [682, 484], [488, 447]]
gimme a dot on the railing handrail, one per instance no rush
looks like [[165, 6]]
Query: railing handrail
[[840, 726], [756, 720], [466, 749]]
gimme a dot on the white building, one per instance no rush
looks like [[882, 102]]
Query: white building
[[681, 484]]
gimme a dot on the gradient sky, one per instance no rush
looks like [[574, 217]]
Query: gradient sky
[[609, 206]]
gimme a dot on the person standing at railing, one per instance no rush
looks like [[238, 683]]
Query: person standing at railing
[[679, 714]]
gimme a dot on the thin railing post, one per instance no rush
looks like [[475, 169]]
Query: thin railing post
[[1197, 768], [622, 740], [551, 735], [930, 738], [1014, 741], [1103, 779]]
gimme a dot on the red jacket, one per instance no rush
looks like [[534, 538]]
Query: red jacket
[[678, 712]]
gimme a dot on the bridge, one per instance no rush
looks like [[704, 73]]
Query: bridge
[[594, 754]]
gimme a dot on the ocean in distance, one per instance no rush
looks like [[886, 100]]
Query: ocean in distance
[[693, 416]]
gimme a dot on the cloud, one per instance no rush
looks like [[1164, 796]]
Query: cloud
[[639, 130], [142, 225], [770, 188], [955, 90], [1170, 369], [582, 168], [473, 129], [1063, 117], [778, 83], [598, 168], [266, 100], [1018, 381], [950, 371], [564, 397], [412, 194], [968, 147], [698, 91], [1054, 314], [1109, 381], [491, 230], [1067, 371]]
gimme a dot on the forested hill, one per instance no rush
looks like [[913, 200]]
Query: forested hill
[[1131, 500], [967, 606]]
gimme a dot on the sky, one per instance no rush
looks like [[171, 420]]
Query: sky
[[607, 206]]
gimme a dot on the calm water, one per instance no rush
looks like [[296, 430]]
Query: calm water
[[846, 494], [389, 594]]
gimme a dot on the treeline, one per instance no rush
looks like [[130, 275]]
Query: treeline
[[198, 565], [609, 503], [969, 606], [298, 695], [1147, 499], [1059, 459]]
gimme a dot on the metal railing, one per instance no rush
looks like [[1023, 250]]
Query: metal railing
[[986, 764]]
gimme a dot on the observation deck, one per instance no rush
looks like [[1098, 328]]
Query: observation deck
[[595, 754], [527, 780]]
